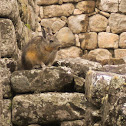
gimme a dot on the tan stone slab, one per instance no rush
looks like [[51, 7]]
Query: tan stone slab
[[108, 40], [120, 53]]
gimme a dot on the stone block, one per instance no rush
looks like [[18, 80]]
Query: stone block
[[28, 13], [108, 5], [98, 23], [122, 6], [47, 108], [108, 40], [70, 52], [116, 110], [99, 84], [86, 6], [79, 66], [113, 109], [99, 55], [66, 37], [8, 38], [88, 40], [77, 12], [122, 41], [106, 14], [77, 40], [46, 2], [9, 9], [120, 53], [79, 84], [51, 79], [5, 80], [41, 12], [117, 23], [113, 61], [119, 69], [6, 114], [53, 23], [58, 10], [78, 23]]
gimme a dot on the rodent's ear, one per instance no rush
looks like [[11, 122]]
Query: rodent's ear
[[47, 32], [44, 32]]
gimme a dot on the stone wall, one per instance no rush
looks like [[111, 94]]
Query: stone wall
[[75, 91], [18, 23], [85, 25]]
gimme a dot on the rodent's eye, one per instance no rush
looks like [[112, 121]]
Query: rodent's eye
[[59, 48], [51, 41]]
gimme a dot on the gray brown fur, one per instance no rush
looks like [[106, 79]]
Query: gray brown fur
[[40, 50]]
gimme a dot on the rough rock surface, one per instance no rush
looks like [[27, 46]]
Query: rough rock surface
[[38, 96], [78, 23], [120, 53], [24, 34], [27, 13], [122, 6], [47, 107], [119, 69], [40, 12], [98, 55], [70, 52], [122, 41], [66, 37], [9, 9], [54, 23], [8, 39], [98, 23], [1, 101], [106, 14], [77, 12], [9, 63], [45, 2], [58, 10], [99, 83], [117, 22], [118, 110], [74, 123], [88, 40], [51, 79], [108, 40], [6, 113], [108, 5], [5, 81], [78, 65], [113, 61], [79, 84], [86, 6]]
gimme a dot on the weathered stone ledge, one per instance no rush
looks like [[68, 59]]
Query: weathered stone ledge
[[79, 66], [99, 84], [51, 79], [47, 107]]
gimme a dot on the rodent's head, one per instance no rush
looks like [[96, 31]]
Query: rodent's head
[[55, 46], [51, 39]]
